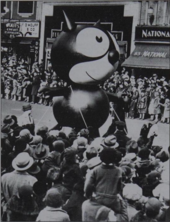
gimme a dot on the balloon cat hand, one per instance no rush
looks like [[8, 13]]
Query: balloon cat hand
[[45, 90], [53, 91]]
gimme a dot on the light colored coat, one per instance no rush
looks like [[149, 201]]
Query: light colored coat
[[12, 181], [53, 214], [25, 119]]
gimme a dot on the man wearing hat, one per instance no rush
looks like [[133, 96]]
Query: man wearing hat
[[44, 133], [150, 213], [26, 120], [8, 120], [54, 158], [106, 179], [40, 150], [11, 182], [120, 133], [110, 142], [132, 193]]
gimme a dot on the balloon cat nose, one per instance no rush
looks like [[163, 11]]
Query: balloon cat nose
[[113, 56]]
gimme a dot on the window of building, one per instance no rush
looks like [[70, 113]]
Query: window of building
[[3, 4], [25, 8]]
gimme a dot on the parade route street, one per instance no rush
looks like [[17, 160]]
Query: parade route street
[[43, 116]]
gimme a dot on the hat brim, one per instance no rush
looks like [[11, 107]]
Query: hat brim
[[82, 147], [14, 165], [42, 157], [115, 145], [12, 123], [11, 131], [36, 171]]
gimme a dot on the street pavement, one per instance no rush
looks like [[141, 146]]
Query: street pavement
[[43, 115]]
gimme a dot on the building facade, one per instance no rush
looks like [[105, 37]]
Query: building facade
[[20, 29], [119, 17], [141, 28], [152, 40]]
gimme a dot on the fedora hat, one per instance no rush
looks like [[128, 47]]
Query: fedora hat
[[8, 120], [41, 151], [131, 146], [84, 133], [120, 123], [6, 129], [22, 162], [42, 130], [25, 134], [110, 142], [34, 169], [26, 107], [36, 140]]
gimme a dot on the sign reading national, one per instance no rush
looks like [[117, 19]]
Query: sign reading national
[[146, 33]]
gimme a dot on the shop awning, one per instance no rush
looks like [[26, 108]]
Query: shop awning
[[149, 56]]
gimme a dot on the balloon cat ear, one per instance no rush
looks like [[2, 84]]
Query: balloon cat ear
[[68, 25]]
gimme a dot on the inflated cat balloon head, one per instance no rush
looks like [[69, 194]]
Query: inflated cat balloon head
[[84, 54]]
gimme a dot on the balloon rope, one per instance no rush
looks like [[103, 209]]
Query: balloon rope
[[118, 118], [80, 111]]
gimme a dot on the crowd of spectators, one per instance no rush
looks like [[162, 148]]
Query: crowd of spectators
[[52, 175], [19, 82], [145, 96]]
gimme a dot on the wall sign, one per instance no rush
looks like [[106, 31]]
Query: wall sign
[[150, 54], [22, 29], [29, 29], [12, 28], [152, 33]]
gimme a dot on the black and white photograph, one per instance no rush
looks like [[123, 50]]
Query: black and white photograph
[[85, 111]]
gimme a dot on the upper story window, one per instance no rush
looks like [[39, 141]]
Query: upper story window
[[25, 8]]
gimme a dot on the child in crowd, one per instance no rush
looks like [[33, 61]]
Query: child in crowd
[[166, 111], [151, 104], [156, 106], [8, 88], [142, 104]]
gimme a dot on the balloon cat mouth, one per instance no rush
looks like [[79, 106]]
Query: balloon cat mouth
[[92, 77]]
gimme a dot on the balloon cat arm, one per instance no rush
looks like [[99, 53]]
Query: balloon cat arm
[[53, 91], [114, 97]]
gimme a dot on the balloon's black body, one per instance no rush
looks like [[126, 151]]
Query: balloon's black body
[[84, 57], [95, 109]]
